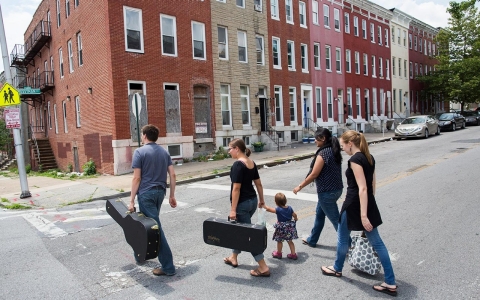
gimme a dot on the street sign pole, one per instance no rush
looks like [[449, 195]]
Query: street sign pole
[[17, 139]]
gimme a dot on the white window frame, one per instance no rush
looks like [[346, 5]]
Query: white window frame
[[289, 11], [242, 5], [291, 55], [292, 95], [374, 66], [399, 37], [229, 108], [67, 8], [55, 117], [415, 43], [380, 67], [195, 38], [348, 61], [49, 115], [302, 10], [328, 58], [336, 19], [259, 42], [346, 21], [372, 32], [274, 12], [330, 103], [355, 26], [358, 100], [76, 3], [77, 111], [315, 12], [364, 29], [221, 43], [405, 38], [379, 35], [357, 62], [316, 56], [277, 91], [79, 49], [242, 39], [326, 16], [393, 66], [304, 57], [365, 64], [338, 60], [70, 56], [276, 41], [64, 110], [60, 58], [387, 68], [405, 68], [349, 103], [139, 11], [411, 70], [58, 15], [318, 101], [399, 67], [386, 37], [163, 33], [245, 107]]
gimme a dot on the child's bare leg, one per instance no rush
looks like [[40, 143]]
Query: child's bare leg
[[279, 247], [292, 246]]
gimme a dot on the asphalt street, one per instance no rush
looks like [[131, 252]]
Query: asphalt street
[[426, 193]]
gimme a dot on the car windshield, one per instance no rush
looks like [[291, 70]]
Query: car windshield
[[415, 120], [444, 117]]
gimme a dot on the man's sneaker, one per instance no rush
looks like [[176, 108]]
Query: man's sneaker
[[277, 254], [293, 256]]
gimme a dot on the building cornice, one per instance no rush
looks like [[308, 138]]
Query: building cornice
[[373, 8]]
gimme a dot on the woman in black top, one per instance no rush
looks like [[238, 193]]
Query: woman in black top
[[244, 200], [360, 211]]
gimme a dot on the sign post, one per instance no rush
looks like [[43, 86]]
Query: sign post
[[10, 96]]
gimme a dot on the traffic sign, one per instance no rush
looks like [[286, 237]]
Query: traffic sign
[[9, 95], [12, 117]]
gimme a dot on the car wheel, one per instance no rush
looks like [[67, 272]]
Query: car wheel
[[426, 133], [438, 131], [463, 125], [478, 122], [454, 127]]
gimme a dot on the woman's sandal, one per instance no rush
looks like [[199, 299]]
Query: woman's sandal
[[257, 273], [385, 289], [229, 262], [330, 271]]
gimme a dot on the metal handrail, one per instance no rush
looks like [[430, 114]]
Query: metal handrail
[[348, 118], [35, 143], [271, 131]]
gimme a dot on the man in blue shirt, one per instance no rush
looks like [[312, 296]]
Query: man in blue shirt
[[150, 164]]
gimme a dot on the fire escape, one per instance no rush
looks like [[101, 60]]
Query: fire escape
[[33, 88]]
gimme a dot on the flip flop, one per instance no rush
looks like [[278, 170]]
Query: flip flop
[[229, 262], [383, 289], [257, 273], [331, 273]]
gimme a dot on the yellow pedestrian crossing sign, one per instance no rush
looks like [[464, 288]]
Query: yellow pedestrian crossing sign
[[9, 95]]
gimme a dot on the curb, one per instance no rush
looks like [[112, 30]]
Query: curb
[[226, 173]]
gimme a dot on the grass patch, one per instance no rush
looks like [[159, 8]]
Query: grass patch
[[16, 206], [4, 200], [76, 202]]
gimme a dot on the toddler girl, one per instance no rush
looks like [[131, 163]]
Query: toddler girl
[[285, 228]]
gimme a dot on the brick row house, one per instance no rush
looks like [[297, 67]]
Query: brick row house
[[269, 70]]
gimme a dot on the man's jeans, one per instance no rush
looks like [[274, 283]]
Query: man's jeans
[[245, 211], [326, 207], [375, 240], [150, 203]]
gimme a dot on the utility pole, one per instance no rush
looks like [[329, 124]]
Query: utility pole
[[17, 139]]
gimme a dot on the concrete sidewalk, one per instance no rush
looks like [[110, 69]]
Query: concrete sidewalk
[[51, 192]]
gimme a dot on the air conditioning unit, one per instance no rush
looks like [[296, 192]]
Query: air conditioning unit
[[258, 7]]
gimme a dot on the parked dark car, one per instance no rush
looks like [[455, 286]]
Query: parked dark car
[[472, 117], [450, 121]]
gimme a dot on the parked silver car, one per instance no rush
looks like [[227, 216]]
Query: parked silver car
[[417, 126]]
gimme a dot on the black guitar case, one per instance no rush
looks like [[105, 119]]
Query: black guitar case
[[232, 235], [140, 232]]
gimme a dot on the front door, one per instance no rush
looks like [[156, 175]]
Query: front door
[[263, 114]]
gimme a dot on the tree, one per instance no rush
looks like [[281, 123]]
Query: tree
[[457, 75]]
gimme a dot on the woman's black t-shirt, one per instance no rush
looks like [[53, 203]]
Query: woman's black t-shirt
[[352, 198], [239, 173]]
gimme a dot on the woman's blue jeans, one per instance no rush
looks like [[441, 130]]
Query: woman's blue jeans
[[375, 240], [150, 203], [326, 207], [245, 211]]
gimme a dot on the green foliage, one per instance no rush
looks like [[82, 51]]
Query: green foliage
[[456, 77], [5, 137], [89, 168], [69, 167], [28, 169], [16, 206], [258, 144], [4, 200]]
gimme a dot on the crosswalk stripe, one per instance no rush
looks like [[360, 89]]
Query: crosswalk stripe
[[266, 192], [45, 226]]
